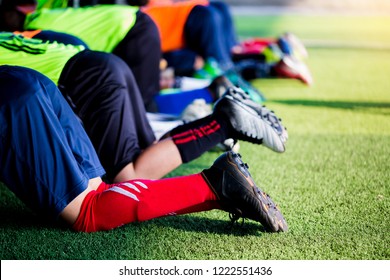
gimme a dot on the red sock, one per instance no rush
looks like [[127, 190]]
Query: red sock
[[141, 200]]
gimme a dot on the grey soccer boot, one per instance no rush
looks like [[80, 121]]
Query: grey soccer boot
[[251, 121]]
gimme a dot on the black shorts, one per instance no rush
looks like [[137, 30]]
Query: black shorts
[[102, 91], [141, 50]]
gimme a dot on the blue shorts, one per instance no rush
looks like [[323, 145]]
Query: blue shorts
[[46, 157]]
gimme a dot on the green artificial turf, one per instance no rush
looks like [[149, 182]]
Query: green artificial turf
[[332, 183]]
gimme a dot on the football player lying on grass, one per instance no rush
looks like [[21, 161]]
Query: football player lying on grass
[[49, 162]]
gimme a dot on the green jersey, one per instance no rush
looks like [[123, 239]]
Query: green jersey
[[47, 58], [51, 4], [100, 27]]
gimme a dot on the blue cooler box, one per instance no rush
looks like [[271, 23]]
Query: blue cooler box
[[174, 101]]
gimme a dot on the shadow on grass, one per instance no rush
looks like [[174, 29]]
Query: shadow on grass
[[14, 216], [337, 104], [22, 219], [206, 225]]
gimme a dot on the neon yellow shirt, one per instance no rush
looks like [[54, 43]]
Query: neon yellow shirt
[[44, 57], [100, 27], [51, 4]]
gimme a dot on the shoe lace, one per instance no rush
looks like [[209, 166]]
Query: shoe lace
[[266, 114], [275, 122], [269, 204], [271, 118]]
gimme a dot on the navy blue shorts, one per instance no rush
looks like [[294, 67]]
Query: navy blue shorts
[[46, 157]]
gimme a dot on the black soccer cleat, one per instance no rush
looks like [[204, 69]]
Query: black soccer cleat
[[219, 86], [238, 194], [251, 121]]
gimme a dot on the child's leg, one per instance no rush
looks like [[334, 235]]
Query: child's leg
[[139, 200]]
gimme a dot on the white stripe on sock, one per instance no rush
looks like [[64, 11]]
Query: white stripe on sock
[[141, 184], [124, 192], [130, 186]]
